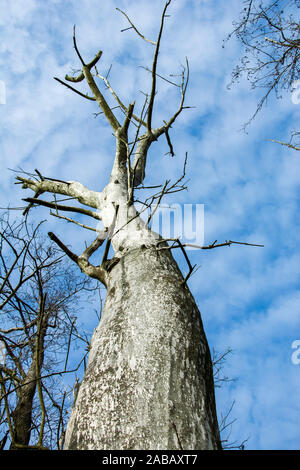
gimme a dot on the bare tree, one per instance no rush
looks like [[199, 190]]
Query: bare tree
[[37, 291], [149, 378], [270, 34]]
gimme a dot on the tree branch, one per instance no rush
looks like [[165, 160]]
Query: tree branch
[[286, 144], [75, 45], [73, 189], [100, 99], [74, 89], [169, 142], [90, 65], [96, 272], [94, 245], [154, 67], [122, 105], [63, 247], [73, 221], [207, 247], [183, 88]]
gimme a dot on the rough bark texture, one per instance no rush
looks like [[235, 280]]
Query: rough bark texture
[[149, 375]]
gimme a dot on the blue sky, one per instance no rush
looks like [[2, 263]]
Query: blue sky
[[249, 297]]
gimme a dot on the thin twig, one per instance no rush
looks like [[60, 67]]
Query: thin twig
[[286, 144], [73, 221], [122, 105], [135, 29], [63, 247], [207, 247], [169, 142]]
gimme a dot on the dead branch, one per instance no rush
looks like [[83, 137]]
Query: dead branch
[[154, 67], [183, 89], [160, 76], [132, 169], [20, 328], [63, 247], [59, 207], [91, 64], [224, 424], [191, 268], [227, 243], [175, 187], [96, 272], [75, 46], [218, 360], [97, 95], [127, 121], [22, 280], [143, 142], [116, 97], [162, 193], [73, 221], [91, 98], [169, 143], [286, 144], [207, 247], [88, 252], [111, 118], [73, 189], [135, 29]]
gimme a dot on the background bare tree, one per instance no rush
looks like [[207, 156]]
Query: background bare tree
[[270, 34], [39, 293]]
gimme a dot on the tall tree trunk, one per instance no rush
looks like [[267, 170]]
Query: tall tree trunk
[[148, 383], [21, 415]]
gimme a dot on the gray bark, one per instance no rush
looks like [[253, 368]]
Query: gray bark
[[148, 383]]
